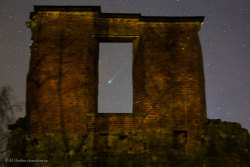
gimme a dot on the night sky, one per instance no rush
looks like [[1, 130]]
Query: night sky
[[225, 39]]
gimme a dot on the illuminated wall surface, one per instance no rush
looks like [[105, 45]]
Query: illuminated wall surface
[[167, 80]]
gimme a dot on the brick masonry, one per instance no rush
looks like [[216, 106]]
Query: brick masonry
[[168, 78]]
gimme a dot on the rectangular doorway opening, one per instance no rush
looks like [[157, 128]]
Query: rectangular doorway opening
[[115, 88]]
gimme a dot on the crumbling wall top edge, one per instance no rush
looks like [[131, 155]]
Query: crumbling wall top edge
[[65, 9], [172, 19], [97, 9]]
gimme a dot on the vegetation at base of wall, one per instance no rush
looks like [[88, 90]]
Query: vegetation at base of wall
[[10, 110], [88, 149], [223, 144]]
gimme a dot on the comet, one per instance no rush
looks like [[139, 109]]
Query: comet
[[117, 73]]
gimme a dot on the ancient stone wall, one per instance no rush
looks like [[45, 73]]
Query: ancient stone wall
[[168, 79]]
